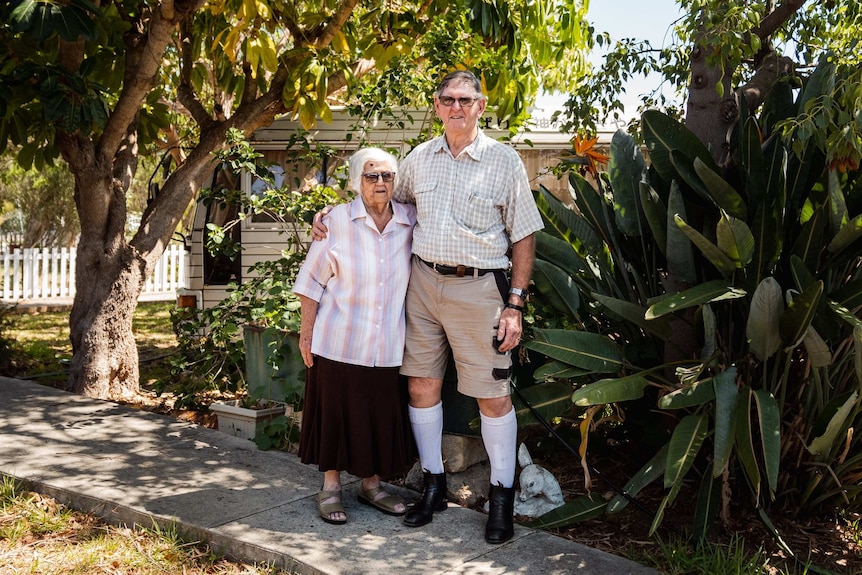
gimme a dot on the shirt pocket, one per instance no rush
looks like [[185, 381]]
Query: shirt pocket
[[477, 214], [426, 198]]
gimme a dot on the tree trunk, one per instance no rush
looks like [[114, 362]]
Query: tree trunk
[[105, 360], [710, 115]]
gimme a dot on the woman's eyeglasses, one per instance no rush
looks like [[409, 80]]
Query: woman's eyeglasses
[[372, 177], [449, 100]]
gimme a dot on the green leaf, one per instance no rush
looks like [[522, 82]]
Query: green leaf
[[849, 233], [634, 313], [663, 134], [715, 290], [574, 511], [722, 193], [770, 435], [556, 284], [680, 256], [708, 506], [626, 170], [712, 252], [698, 393], [610, 391], [656, 215], [799, 314], [735, 239], [764, 316], [568, 224], [577, 348], [809, 242], [824, 443], [653, 469], [557, 370], [559, 252], [726, 397], [688, 436], [549, 399], [849, 295], [745, 440]]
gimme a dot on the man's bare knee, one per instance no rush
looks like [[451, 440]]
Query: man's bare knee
[[424, 391], [495, 406]]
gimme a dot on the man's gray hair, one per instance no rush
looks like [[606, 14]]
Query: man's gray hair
[[458, 77], [357, 161]]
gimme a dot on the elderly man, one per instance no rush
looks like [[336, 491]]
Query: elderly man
[[474, 208]]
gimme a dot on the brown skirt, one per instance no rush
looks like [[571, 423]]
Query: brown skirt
[[355, 419]]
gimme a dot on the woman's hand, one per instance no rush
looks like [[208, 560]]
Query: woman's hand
[[305, 348]]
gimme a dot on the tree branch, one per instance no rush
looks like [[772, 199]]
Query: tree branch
[[185, 93], [335, 24], [143, 60], [776, 19]]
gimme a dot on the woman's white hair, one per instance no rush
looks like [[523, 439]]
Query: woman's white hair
[[358, 160]]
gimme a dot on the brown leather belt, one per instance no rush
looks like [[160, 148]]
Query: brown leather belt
[[460, 271]]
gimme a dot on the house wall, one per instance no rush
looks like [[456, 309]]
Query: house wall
[[539, 147]]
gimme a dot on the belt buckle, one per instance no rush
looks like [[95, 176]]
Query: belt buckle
[[460, 270]]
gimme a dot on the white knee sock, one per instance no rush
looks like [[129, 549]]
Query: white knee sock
[[500, 435], [427, 424]]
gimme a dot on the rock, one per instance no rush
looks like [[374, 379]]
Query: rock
[[460, 452]]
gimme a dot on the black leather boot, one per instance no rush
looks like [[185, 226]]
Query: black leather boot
[[500, 528], [433, 499]]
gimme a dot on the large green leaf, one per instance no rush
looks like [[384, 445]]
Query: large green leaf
[[663, 134], [764, 316], [745, 440], [560, 252], [809, 242], [568, 224], [680, 256], [591, 205], [653, 469], [824, 443], [715, 290], [849, 295], [849, 233], [688, 436], [580, 509], [549, 399], [626, 170], [735, 239], [726, 396], [636, 314], [69, 21], [558, 286], [577, 348], [712, 252], [857, 348], [698, 393], [751, 157], [798, 315], [837, 205], [656, 215], [721, 192], [708, 505], [770, 435], [558, 370], [610, 391]]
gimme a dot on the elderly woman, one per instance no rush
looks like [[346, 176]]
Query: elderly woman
[[352, 287]]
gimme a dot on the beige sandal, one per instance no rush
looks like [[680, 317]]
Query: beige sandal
[[327, 509], [385, 504]]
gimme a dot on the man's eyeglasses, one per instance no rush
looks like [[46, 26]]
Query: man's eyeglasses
[[449, 100], [372, 177]]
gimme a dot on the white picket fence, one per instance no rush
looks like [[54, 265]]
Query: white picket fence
[[49, 274]]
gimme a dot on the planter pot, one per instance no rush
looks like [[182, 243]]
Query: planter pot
[[283, 382], [242, 421]]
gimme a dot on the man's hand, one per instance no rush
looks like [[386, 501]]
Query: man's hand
[[318, 230], [509, 330]]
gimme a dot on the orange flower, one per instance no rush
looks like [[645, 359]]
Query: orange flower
[[844, 165], [583, 150]]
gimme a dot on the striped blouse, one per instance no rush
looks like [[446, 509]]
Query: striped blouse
[[358, 276]]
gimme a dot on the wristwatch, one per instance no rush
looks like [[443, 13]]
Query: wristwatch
[[518, 292]]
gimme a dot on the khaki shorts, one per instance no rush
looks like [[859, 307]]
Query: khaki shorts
[[459, 313]]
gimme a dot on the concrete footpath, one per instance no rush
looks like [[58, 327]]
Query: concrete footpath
[[134, 467]]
